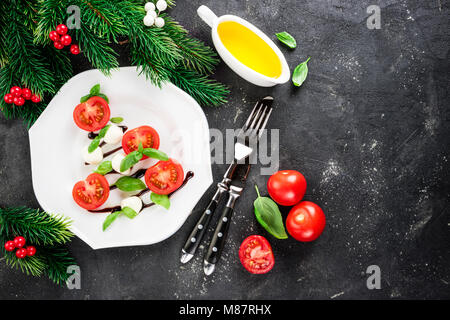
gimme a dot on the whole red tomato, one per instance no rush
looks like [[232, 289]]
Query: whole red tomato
[[287, 187], [305, 221]]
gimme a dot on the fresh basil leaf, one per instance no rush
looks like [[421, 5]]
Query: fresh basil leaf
[[155, 154], [160, 199], [101, 95], [116, 119], [128, 212], [300, 73], [269, 216], [110, 218], [103, 131], [141, 147], [94, 144], [104, 168], [85, 98], [129, 184], [95, 90], [130, 160], [287, 39]]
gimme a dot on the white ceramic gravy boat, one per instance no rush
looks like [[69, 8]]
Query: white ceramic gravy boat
[[242, 70]]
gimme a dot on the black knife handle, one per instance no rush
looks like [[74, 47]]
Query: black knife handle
[[194, 239], [218, 241]]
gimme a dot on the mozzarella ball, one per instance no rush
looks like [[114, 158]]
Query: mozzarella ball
[[159, 22], [95, 157], [115, 162], [150, 6], [152, 13], [161, 5], [149, 20], [113, 135], [134, 203]]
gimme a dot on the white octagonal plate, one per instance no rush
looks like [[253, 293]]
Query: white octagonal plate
[[56, 161]]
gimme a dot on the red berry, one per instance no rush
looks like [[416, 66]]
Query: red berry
[[19, 101], [9, 98], [35, 98], [54, 36], [10, 246], [66, 39], [16, 91], [61, 29], [31, 250], [74, 49], [58, 45], [21, 253], [26, 93], [19, 242]]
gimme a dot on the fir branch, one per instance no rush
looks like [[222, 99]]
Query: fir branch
[[57, 259], [196, 54], [206, 91], [34, 265], [36, 226], [50, 14]]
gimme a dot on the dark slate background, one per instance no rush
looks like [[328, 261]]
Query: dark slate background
[[369, 129]]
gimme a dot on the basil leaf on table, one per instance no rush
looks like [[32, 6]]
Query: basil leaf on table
[[155, 154], [129, 213], [300, 73], [95, 90], [269, 216], [287, 39], [110, 219], [160, 199], [104, 168], [130, 160], [129, 184], [116, 119]]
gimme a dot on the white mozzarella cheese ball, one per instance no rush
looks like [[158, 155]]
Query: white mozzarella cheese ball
[[115, 162], [113, 135], [134, 203], [95, 157]]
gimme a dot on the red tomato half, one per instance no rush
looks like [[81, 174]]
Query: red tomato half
[[92, 192], [92, 115], [256, 255], [305, 221], [287, 187], [164, 177], [145, 134]]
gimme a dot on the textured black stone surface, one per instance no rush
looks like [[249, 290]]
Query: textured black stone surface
[[370, 131]]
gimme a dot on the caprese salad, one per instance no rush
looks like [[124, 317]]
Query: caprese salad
[[93, 115]]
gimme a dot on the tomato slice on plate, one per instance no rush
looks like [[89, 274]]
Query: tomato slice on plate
[[92, 192], [256, 255], [164, 177], [145, 134], [92, 115]]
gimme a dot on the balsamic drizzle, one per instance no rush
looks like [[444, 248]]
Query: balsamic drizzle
[[139, 174]]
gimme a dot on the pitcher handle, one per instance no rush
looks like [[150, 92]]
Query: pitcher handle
[[207, 15]]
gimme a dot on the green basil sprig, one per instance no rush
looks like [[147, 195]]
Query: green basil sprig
[[94, 92], [134, 157], [126, 211], [129, 184], [104, 168], [300, 73], [287, 39], [269, 216], [95, 143], [160, 199]]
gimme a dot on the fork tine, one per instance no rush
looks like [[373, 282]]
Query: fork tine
[[256, 118], [250, 117], [261, 118], [263, 126]]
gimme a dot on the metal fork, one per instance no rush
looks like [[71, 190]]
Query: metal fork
[[253, 128]]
